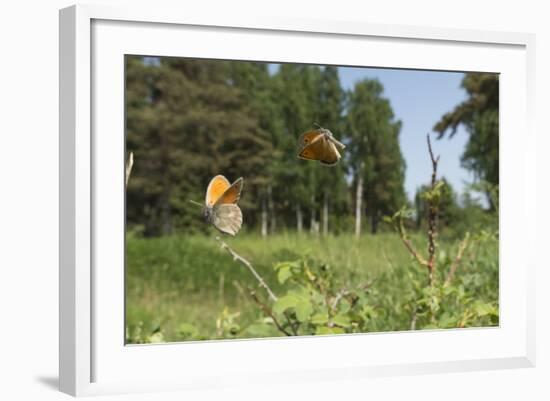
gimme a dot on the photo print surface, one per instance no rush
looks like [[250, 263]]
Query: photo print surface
[[279, 200]]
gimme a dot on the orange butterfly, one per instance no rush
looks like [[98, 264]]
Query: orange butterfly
[[320, 144], [220, 206]]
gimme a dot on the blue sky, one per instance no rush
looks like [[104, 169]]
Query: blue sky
[[419, 99]]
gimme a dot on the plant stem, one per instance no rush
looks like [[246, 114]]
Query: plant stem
[[239, 258], [408, 244], [461, 248], [432, 216], [267, 310]]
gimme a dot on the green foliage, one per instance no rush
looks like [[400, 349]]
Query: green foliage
[[445, 196], [457, 217], [140, 333], [479, 113], [315, 303], [174, 283], [463, 303]]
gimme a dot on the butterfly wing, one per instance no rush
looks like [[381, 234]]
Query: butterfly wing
[[331, 156], [309, 137], [322, 150], [314, 150], [216, 188], [227, 218], [231, 194]]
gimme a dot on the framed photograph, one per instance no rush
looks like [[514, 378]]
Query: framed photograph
[[279, 200]]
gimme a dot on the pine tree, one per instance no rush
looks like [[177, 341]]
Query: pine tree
[[479, 113], [187, 123], [376, 162], [291, 175], [332, 182]]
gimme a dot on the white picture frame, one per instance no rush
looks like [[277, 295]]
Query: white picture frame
[[93, 357]]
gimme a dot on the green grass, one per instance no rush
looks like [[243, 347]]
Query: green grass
[[190, 279]]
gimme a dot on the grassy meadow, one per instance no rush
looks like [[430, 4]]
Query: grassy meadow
[[188, 288]]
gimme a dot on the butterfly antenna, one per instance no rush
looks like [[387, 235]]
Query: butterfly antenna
[[318, 126], [195, 203]]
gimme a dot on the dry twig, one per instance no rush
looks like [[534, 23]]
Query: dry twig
[[240, 259], [432, 216], [339, 295], [461, 248], [408, 244]]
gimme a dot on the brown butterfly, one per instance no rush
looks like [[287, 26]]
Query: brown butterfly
[[220, 206], [320, 144]]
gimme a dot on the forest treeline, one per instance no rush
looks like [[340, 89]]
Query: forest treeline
[[188, 120]]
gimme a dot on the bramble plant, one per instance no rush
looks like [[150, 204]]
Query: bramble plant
[[314, 303], [444, 303]]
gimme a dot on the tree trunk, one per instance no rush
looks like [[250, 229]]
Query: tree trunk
[[299, 218], [271, 210], [313, 225], [358, 204], [264, 218], [325, 214], [374, 223]]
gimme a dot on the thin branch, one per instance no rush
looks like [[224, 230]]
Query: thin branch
[[461, 248], [239, 258], [432, 215], [434, 159], [240, 290], [414, 252], [267, 310], [339, 295], [129, 164], [291, 324], [273, 297], [408, 244]]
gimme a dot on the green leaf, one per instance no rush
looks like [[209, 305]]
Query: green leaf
[[483, 309], [156, 338], [447, 321], [319, 318], [285, 302], [260, 330], [303, 309], [328, 330], [369, 311], [284, 274], [344, 306], [341, 320], [283, 265], [187, 330], [300, 292]]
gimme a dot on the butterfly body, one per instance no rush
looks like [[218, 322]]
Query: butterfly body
[[221, 208], [320, 145]]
